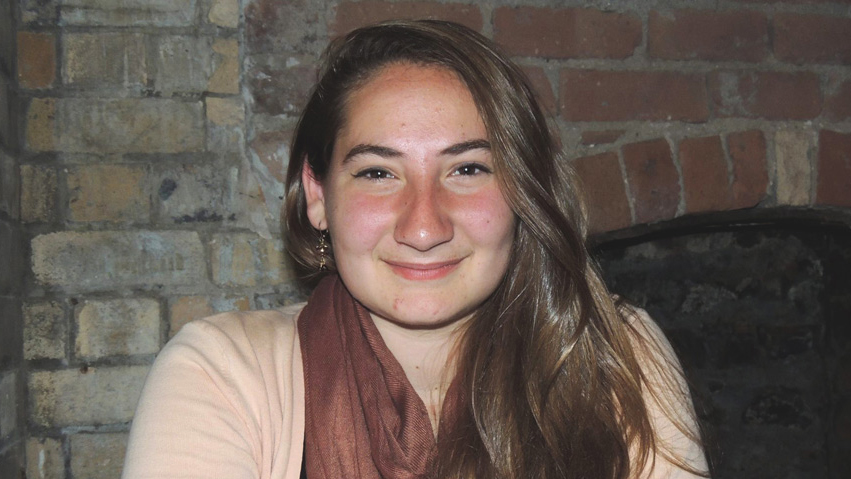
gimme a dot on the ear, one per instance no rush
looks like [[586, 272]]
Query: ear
[[315, 197]]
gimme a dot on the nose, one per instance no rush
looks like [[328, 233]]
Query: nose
[[423, 222]]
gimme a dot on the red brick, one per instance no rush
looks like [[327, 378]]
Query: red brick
[[837, 106], [834, 169], [601, 137], [705, 180], [769, 95], [280, 91], [543, 88], [605, 195], [351, 15], [653, 180], [812, 38], [36, 59], [750, 168], [594, 95], [707, 35], [566, 33]]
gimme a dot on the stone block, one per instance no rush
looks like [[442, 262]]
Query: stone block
[[98, 456], [36, 59], [11, 252], [280, 90], [792, 155], [705, 178], [225, 124], [112, 60], [11, 325], [189, 308], [38, 193], [41, 124], [8, 403], [148, 125], [224, 13], [225, 111], [750, 168], [117, 327], [190, 193], [653, 180], [225, 77], [605, 193], [834, 169], [85, 396], [157, 13], [182, 64], [7, 35], [45, 458], [7, 125], [9, 186], [45, 330], [41, 12], [108, 193], [244, 259], [105, 260]]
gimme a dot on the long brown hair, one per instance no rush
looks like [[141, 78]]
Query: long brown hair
[[555, 373]]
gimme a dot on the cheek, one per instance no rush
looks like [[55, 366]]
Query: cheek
[[358, 223], [488, 218]]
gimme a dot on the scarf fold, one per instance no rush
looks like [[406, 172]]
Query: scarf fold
[[363, 419]]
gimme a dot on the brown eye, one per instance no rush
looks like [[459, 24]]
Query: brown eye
[[375, 174], [470, 169]]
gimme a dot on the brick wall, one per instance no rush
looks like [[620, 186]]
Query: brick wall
[[153, 138]]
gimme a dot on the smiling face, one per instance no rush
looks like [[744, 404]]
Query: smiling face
[[420, 230]]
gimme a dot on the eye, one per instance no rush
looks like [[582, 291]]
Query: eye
[[374, 174], [471, 169]]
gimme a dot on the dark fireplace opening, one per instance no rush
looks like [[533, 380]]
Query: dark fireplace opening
[[761, 318]]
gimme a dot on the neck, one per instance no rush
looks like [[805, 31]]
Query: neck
[[426, 356]]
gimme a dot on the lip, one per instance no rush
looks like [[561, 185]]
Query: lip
[[423, 271]]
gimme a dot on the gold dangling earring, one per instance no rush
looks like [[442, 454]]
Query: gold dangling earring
[[322, 249]]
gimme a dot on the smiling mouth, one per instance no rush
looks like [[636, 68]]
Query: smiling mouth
[[423, 271]]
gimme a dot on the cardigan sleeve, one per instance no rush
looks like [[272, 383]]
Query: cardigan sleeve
[[219, 402]]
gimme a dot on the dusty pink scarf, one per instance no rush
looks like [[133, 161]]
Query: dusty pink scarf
[[363, 417]]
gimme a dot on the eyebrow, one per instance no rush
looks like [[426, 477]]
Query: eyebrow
[[386, 152]]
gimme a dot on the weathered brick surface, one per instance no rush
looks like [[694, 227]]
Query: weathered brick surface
[[272, 26], [8, 403], [704, 174], [108, 193], [224, 13], [769, 95], [89, 60], [183, 64], [225, 77], [40, 124], [244, 259], [45, 330], [708, 35], [593, 95], [750, 168], [159, 13], [350, 15], [7, 35], [45, 458], [191, 193], [600, 137], [279, 91], [117, 327], [225, 111], [834, 169], [566, 33], [36, 59], [10, 190], [88, 395], [38, 193], [812, 38], [272, 150], [653, 180], [8, 130], [792, 150], [11, 250], [106, 260], [605, 194], [543, 89], [189, 308], [128, 126], [837, 105], [98, 456]]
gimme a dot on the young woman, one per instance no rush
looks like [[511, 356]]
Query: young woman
[[457, 327]]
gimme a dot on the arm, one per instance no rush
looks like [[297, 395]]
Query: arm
[[669, 407], [189, 421]]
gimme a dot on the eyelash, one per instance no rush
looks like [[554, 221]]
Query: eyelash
[[370, 174], [380, 174], [475, 166]]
